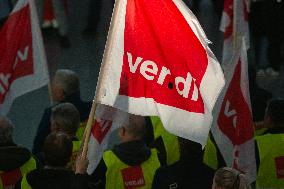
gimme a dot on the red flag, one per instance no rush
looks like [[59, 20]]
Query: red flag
[[157, 62], [23, 63], [234, 24], [233, 124]]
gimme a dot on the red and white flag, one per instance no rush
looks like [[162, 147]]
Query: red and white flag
[[233, 124], [157, 62], [234, 24], [23, 65]]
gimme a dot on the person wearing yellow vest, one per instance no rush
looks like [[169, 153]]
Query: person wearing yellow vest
[[15, 161], [270, 148], [131, 164], [212, 156], [66, 118], [165, 142], [188, 172], [57, 150]]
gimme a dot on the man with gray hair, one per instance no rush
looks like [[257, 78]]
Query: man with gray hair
[[15, 161], [65, 88]]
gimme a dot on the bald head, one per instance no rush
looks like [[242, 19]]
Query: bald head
[[6, 130], [134, 129]]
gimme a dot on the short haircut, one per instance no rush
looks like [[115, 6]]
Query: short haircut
[[275, 111], [136, 126], [57, 149], [66, 117], [189, 148], [229, 178], [6, 130], [68, 81]]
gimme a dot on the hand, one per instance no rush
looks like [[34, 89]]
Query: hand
[[81, 165]]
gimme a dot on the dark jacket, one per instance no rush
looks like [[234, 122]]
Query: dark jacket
[[131, 153], [186, 173], [13, 157], [44, 126], [49, 179]]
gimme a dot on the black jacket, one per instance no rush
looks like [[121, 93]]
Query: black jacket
[[186, 173], [44, 126], [49, 179], [13, 157], [131, 153]]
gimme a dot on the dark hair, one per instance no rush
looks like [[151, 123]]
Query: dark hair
[[57, 149], [275, 111], [189, 148], [229, 178], [66, 117]]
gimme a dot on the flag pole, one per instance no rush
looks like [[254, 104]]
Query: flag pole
[[105, 61], [87, 132]]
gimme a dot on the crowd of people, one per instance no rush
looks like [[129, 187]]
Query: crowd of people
[[147, 156]]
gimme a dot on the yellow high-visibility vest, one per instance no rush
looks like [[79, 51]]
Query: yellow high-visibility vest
[[75, 150], [260, 132], [271, 155], [170, 141], [210, 157], [81, 130], [121, 176], [10, 178]]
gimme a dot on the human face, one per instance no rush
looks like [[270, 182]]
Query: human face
[[58, 94]]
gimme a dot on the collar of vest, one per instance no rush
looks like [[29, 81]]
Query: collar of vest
[[132, 153]]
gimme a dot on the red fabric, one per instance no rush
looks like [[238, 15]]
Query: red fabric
[[16, 53], [100, 129], [236, 126], [9, 179], [175, 47], [48, 10], [133, 177], [279, 163]]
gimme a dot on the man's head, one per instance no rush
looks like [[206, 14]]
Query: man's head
[[57, 149], [64, 84], [274, 116], [65, 118], [6, 130], [229, 178], [189, 148], [135, 129]]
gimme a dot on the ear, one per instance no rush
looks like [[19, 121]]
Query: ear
[[121, 131], [62, 94]]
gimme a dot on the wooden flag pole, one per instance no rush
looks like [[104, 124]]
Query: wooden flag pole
[[88, 129], [105, 61]]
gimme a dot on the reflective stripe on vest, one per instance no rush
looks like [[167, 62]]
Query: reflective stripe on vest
[[170, 141], [271, 156], [81, 130], [210, 157], [122, 176], [10, 178], [76, 148], [25, 184]]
